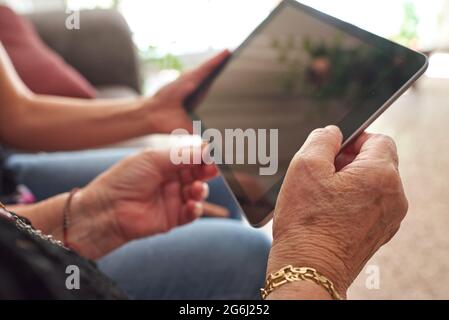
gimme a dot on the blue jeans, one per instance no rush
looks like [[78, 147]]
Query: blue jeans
[[208, 259]]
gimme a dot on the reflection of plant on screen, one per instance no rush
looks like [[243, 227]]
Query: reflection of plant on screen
[[288, 56], [326, 69]]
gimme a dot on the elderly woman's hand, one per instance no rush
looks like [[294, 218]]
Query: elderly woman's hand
[[142, 195], [333, 214]]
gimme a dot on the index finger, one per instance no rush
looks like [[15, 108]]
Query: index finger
[[213, 210], [322, 144], [355, 146], [376, 146]]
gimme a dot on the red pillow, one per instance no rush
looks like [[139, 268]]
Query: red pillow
[[40, 68]]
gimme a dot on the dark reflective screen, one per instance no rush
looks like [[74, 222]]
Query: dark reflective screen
[[297, 72]]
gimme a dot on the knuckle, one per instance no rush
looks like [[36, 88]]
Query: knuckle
[[391, 233], [385, 170], [390, 178], [390, 173], [390, 186], [383, 179], [387, 140], [389, 144], [404, 207], [384, 139]]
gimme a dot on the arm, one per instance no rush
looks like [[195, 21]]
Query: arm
[[90, 235], [45, 215], [38, 122], [141, 196], [55, 123]]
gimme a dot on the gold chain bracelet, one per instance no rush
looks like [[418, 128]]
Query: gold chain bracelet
[[291, 274]]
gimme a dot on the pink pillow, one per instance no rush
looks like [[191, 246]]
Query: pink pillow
[[39, 67]]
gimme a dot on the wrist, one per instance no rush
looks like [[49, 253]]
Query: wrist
[[301, 249], [90, 230], [300, 290], [139, 114], [146, 114]]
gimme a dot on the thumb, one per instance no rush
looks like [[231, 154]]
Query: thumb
[[203, 71], [171, 161], [322, 145], [186, 88]]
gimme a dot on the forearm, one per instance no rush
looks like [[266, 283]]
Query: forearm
[[89, 230], [45, 215], [37, 122], [55, 123]]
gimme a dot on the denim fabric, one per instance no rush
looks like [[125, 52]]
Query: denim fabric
[[208, 259]]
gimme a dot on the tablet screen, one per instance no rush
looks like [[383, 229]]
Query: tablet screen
[[298, 71]]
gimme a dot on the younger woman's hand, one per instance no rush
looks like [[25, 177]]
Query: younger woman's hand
[[166, 109]]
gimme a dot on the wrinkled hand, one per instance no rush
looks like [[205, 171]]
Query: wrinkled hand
[[333, 213], [166, 108], [143, 195]]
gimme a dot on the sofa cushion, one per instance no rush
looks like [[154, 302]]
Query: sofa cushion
[[40, 68]]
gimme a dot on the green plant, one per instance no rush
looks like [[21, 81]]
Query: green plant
[[287, 56], [408, 34], [151, 57], [115, 4]]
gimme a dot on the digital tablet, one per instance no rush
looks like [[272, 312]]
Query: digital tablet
[[299, 70]]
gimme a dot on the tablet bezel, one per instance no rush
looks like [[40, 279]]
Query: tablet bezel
[[352, 125]]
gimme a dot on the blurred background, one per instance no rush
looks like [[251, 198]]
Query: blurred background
[[171, 35], [174, 35]]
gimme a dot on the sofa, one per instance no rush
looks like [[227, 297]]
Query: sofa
[[102, 49]]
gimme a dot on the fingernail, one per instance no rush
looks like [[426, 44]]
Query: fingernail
[[198, 210], [205, 190]]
